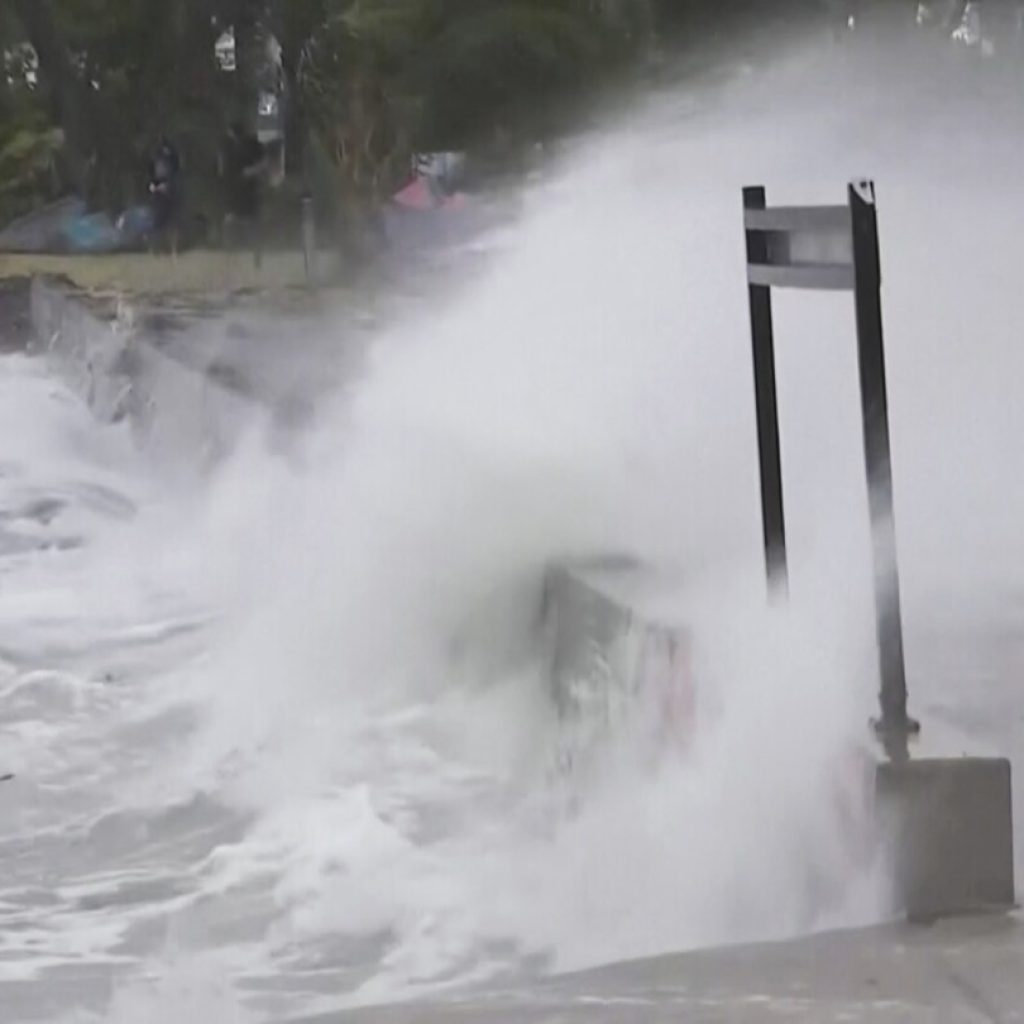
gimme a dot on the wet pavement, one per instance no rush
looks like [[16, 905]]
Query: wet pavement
[[964, 971]]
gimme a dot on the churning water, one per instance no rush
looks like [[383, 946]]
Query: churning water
[[281, 736]]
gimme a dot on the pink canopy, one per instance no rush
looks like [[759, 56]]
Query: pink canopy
[[417, 195]]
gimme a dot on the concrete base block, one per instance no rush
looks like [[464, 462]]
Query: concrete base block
[[948, 823]]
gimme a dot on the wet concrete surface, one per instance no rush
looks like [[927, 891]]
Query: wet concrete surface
[[285, 357], [965, 971]]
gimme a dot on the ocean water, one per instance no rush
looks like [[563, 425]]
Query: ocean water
[[279, 728]]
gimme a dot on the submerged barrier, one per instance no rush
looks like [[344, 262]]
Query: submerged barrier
[[620, 666]]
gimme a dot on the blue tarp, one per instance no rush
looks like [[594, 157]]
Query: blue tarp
[[68, 226]]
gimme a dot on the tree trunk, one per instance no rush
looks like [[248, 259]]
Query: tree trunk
[[251, 23], [68, 96]]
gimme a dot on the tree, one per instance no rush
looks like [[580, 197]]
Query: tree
[[250, 21], [118, 73], [383, 76], [29, 145], [68, 98], [372, 79]]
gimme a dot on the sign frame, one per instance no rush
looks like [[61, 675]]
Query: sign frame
[[831, 248]]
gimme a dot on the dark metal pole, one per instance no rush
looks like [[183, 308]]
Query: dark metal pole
[[895, 726], [308, 239], [772, 519]]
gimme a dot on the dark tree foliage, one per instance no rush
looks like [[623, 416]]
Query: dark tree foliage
[[367, 81], [113, 75]]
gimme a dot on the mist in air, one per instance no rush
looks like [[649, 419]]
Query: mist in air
[[358, 738]]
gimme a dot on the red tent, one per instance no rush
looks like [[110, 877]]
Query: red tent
[[418, 195]]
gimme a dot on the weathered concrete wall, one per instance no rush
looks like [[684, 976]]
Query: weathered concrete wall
[[175, 411], [86, 349], [179, 412], [618, 668]]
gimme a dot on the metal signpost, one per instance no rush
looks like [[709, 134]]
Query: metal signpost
[[833, 248], [309, 239]]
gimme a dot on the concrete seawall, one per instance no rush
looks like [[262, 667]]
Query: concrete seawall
[[619, 663], [177, 405], [85, 349]]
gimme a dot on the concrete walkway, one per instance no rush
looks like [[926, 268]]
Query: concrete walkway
[[967, 971]]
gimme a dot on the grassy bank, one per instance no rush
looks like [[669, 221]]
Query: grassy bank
[[196, 271]]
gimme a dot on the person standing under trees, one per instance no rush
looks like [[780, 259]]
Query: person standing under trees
[[164, 188], [242, 167]]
